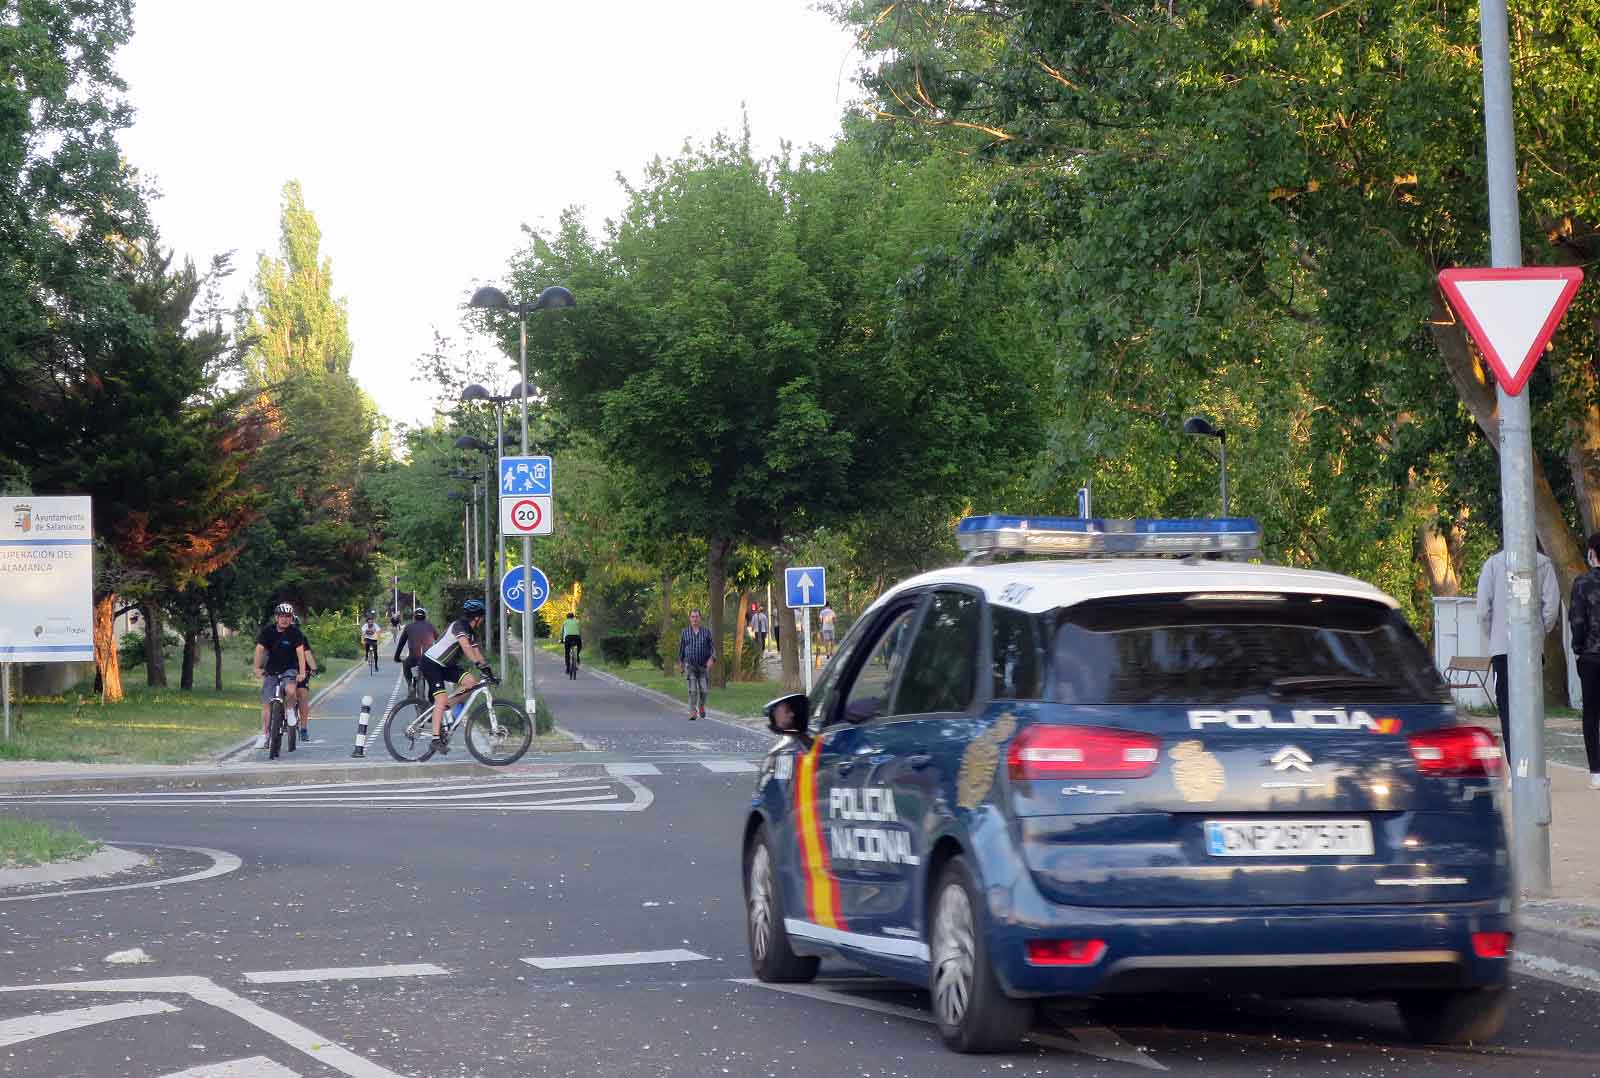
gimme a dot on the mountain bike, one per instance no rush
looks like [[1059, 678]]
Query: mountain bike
[[497, 732], [372, 656], [281, 715]]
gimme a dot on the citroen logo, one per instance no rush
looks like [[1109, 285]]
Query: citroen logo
[[1290, 758]]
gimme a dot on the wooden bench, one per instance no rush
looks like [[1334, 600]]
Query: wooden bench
[[1469, 672]]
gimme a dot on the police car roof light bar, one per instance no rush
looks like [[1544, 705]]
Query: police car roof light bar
[[1237, 537]]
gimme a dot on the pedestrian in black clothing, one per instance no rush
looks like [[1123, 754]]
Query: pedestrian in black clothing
[[1583, 613]]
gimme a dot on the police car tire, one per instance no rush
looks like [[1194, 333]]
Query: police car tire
[[992, 1020], [1455, 1016], [779, 965]]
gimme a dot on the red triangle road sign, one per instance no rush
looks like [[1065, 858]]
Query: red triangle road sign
[[1511, 313]]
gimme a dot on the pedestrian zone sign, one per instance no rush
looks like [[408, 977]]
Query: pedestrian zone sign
[[526, 475], [806, 586], [513, 588], [1511, 313]]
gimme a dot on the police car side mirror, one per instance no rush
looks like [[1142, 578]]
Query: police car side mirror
[[788, 715]]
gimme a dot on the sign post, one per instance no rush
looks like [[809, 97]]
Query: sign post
[[526, 479], [1530, 785], [805, 587]]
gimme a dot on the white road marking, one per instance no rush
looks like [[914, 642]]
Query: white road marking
[[222, 863], [254, 1067], [631, 769], [727, 766], [626, 958], [378, 786], [1094, 1041], [17, 1030], [345, 973], [202, 990], [251, 798]]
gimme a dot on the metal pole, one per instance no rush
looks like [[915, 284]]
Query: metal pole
[[1530, 784], [488, 562], [5, 691], [1222, 437], [805, 614], [528, 702], [500, 539]]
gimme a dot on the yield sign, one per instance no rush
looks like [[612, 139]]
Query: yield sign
[[1511, 313]]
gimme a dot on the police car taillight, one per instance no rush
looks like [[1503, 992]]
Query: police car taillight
[[1457, 751], [1065, 952], [1055, 752], [1088, 536]]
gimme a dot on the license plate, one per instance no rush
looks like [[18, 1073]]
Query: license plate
[[1277, 838]]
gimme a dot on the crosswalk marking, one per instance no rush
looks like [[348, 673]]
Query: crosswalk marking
[[17, 1030], [625, 958], [253, 1067], [631, 769], [345, 973], [727, 767]]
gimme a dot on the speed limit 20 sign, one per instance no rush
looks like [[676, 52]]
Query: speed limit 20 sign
[[527, 515]]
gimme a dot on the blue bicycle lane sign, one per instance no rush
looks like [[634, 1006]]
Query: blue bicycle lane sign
[[511, 589]]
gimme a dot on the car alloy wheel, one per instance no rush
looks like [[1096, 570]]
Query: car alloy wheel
[[761, 902], [954, 955]]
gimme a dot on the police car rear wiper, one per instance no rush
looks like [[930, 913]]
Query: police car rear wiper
[[1289, 686]]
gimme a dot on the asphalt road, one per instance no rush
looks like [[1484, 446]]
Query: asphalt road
[[578, 915]]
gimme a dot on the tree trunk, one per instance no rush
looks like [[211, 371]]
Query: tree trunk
[[669, 642], [155, 659], [108, 668], [216, 637], [741, 619], [716, 601], [1437, 564], [788, 645], [191, 656], [1471, 380]]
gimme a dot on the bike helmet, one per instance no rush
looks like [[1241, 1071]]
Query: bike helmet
[[472, 606], [372, 613], [421, 613], [284, 608]]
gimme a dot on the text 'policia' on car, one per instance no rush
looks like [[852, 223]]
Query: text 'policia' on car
[[1119, 773]]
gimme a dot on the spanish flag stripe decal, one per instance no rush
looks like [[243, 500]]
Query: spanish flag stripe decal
[[822, 890]]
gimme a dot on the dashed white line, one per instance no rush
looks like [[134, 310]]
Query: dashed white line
[[17, 1030], [631, 770], [345, 973], [625, 958], [253, 1067], [727, 766]]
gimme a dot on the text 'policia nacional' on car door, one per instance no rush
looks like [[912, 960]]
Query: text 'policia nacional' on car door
[[1024, 779]]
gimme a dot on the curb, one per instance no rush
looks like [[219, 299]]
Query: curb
[[240, 775], [1559, 946], [712, 714]]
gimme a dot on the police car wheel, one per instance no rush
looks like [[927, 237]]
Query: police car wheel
[[771, 957], [973, 1013], [1455, 1016]]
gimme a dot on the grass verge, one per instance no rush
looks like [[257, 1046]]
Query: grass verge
[[742, 698], [150, 726], [31, 842]]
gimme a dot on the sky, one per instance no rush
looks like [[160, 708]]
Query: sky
[[424, 135]]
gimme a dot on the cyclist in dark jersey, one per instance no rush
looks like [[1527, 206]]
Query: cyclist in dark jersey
[[440, 668], [415, 639]]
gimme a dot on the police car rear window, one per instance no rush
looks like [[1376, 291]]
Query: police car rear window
[[1225, 649]]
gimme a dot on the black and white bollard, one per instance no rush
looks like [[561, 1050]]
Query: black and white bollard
[[361, 727]]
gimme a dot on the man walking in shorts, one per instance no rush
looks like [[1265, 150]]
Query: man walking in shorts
[[696, 656]]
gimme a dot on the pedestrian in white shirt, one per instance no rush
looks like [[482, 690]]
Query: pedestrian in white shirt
[[1494, 607]]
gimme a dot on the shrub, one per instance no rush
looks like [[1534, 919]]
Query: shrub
[[333, 634], [647, 645], [130, 650], [617, 648]]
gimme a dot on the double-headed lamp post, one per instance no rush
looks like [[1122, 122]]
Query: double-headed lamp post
[[1196, 424], [489, 298], [468, 442]]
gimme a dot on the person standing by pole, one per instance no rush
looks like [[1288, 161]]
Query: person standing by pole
[[1494, 612], [1583, 612], [696, 656]]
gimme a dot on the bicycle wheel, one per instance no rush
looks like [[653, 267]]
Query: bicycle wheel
[[500, 736], [408, 731], [274, 729]]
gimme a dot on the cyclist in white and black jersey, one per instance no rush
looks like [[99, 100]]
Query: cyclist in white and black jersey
[[369, 636], [439, 663]]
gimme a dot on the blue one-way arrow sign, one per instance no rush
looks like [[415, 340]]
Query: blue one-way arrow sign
[[806, 586]]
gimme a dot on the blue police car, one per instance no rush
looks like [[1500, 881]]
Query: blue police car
[[1144, 765]]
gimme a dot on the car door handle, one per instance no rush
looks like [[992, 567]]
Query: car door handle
[[919, 760], [847, 766]]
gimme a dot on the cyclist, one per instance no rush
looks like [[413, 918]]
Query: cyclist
[[304, 689], [418, 637], [439, 667], [280, 650], [572, 642], [369, 638]]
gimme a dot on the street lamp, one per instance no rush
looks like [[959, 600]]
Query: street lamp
[[1200, 425], [466, 523], [468, 442], [489, 298]]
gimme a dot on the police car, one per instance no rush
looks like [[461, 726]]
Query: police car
[[1142, 766]]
